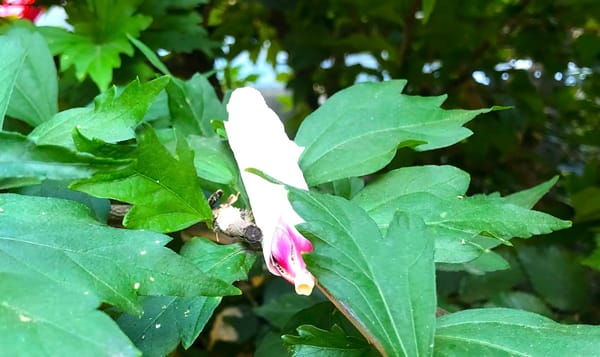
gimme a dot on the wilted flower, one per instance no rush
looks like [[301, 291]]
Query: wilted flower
[[258, 140], [22, 9]]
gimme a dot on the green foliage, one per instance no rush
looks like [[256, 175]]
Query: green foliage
[[358, 130], [22, 162], [511, 332], [73, 326], [113, 264], [385, 284], [164, 190], [99, 38], [12, 56], [167, 320], [35, 92], [113, 118], [385, 218]]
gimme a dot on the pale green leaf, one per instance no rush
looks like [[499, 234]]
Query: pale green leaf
[[35, 95], [164, 190], [39, 317], [113, 118], [386, 285], [60, 240], [12, 57], [358, 130], [507, 332]]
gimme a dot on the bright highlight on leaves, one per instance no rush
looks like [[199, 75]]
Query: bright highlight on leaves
[[113, 118], [99, 38]]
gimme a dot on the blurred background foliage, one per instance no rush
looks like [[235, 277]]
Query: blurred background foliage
[[541, 57]]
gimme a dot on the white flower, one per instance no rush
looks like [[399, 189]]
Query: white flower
[[258, 140]]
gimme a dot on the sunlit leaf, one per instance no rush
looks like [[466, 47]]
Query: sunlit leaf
[[113, 118]]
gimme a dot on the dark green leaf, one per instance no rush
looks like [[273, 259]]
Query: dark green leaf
[[113, 118], [279, 310], [507, 332], [556, 275], [386, 285], [39, 317], [313, 341], [24, 163], [358, 130], [164, 191], [169, 319], [60, 240], [522, 301]]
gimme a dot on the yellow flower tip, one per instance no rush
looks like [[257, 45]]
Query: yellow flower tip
[[304, 284]]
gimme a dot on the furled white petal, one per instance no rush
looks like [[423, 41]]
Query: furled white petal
[[258, 140]]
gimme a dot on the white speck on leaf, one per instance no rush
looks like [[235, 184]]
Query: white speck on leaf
[[86, 292], [164, 307], [151, 278], [157, 325], [186, 313], [24, 318], [143, 252], [136, 286]]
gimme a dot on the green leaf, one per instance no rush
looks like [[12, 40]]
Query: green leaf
[[99, 38], [12, 58], [427, 9], [177, 26], [60, 240], [528, 198], [313, 341], [385, 285], [39, 317], [24, 163], [213, 160], [586, 204], [358, 130], [164, 191], [167, 320], [193, 104], [557, 276], [150, 55], [507, 332], [522, 301], [35, 95], [435, 193], [113, 118], [279, 310]]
